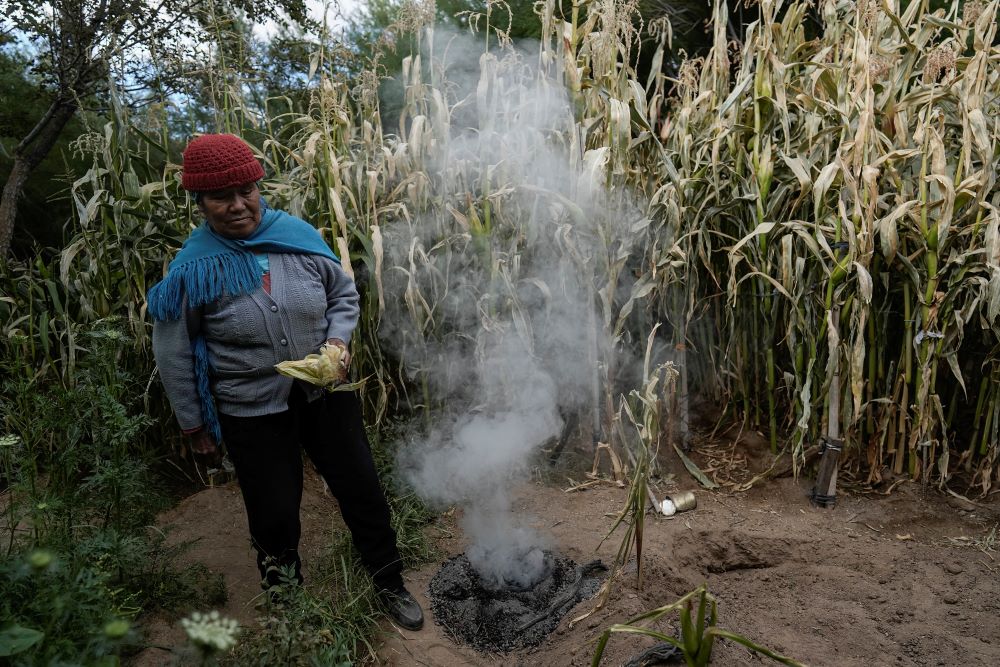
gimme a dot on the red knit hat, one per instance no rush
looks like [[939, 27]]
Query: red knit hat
[[219, 161]]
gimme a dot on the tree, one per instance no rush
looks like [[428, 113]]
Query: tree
[[82, 45], [44, 202], [382, 31]]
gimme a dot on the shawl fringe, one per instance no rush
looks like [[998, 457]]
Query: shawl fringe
[[203, 280]]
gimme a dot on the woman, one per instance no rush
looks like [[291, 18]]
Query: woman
[[251, 288]]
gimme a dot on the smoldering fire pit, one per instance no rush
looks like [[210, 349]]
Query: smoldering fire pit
[[500, 616]]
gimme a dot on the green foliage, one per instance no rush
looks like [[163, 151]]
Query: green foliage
[[410, 516], [148, 573], [384, 32], [56, 613], [288, 68], [330, 622], [122, 234], [82, 443], [84, 50], [79, 485], [698, 630], [410, 519]]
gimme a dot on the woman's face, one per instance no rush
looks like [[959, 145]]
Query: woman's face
[[232, 212]]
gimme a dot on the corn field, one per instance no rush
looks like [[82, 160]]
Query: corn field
[[811, 213]]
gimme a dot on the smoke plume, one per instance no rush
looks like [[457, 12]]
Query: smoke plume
[[500, 326]]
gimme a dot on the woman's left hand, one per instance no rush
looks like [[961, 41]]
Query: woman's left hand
[[345, 359]]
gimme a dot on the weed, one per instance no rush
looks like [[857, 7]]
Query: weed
[[79, 486], [410, 516], [698, 630], [330, 622], [211, 635], [55, 611]]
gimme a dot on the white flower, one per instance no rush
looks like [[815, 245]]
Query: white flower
[[211, 633]]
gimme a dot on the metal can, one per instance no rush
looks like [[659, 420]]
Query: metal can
[[683, 500]]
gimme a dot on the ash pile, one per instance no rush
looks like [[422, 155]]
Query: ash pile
[[497, 614]]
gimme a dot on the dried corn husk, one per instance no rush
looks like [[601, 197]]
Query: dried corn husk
[[324, 369]]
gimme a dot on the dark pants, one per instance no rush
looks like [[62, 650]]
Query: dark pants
[[268, 459]]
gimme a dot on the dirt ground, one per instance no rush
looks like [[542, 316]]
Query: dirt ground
[[908, 578]]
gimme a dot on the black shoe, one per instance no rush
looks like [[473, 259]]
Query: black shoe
[[403, 607]]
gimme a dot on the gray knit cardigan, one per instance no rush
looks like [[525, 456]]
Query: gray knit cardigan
[[312, 300]]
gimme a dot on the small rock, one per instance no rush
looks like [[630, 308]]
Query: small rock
[[954, 568], [950, 598]]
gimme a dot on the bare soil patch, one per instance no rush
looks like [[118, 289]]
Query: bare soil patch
[[876, 581], [904, 579]]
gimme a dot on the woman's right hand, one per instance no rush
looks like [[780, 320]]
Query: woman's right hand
[[203, 444], [345, 357]]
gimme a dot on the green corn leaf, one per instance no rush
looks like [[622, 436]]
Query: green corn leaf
[[695, 471]]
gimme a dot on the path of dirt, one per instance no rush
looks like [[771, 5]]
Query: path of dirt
[[896, 580]]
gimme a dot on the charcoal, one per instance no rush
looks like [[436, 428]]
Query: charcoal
[[499, 619]]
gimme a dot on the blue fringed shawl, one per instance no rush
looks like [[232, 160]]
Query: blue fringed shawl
[[209, 266]]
